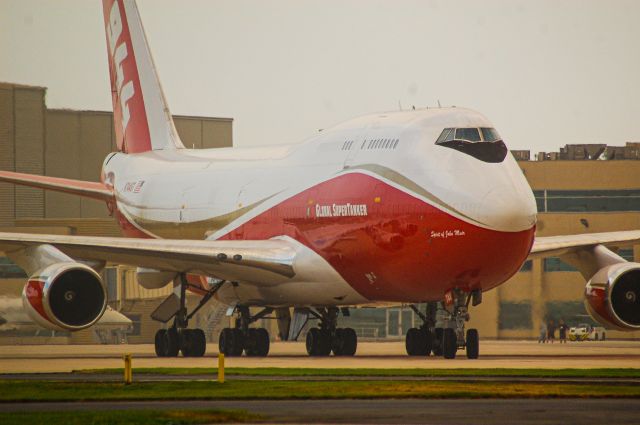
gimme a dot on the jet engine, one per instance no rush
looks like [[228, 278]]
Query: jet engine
[[65, 296], [612, 296]]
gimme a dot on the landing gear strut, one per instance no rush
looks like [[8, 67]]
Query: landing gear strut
[[253, 341], [327, 337], [178, 338], [443, 328]]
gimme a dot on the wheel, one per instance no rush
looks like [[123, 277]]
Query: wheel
[[596, 336], [251, 342], [449, 343], [350, 342], [159, 343], [416, 342], [171, 343], [262, 342], [230, 342], [437, 341], [318, 342], [198, 343], [472, 344], [185, 342], [337, 342], [603, 336]]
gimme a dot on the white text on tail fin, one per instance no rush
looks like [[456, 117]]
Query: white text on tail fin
[[140, 113]]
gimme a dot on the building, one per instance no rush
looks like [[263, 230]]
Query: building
[[73, 144], [574, 192]]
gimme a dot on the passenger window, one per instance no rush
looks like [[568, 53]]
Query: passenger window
[[470, 134]]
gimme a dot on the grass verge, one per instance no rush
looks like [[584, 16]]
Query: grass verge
[[278, 371], [12, 390], [133, 417]]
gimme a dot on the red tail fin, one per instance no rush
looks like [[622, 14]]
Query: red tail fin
[[140, 114]]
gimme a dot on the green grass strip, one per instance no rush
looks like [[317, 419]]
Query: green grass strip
[[11, 390], [276, 371], [133, 417]]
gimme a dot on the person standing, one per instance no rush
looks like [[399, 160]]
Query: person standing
[[551, 331], [542, 338], [562, 329]]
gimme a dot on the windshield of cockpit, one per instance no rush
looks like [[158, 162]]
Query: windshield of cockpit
[[483, 143]]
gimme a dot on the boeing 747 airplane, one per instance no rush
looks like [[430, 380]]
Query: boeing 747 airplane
[[410, 207]]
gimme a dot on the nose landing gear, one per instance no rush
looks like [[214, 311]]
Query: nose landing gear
[[443, 328]]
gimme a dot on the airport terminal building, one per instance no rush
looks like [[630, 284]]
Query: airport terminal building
[[580, 189]]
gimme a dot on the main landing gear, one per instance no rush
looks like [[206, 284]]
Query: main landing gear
[[327, 337], [443, 328], [253, 341], [178, 338]]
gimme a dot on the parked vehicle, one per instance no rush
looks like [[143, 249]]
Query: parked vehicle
[[585, 331]]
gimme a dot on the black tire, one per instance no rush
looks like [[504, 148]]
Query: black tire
[[172, 343], [159, 342], [416, 342], [437, 341], [318, 342], [472, 344], [449, 343], [428, 335], [337, 342], [238, 340], [198, 343], [262, 342], [350, 342], [185, 342], [251, 342], [604, 336], [596, 336], [228, 342]]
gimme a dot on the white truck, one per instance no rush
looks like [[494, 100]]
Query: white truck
[[584, 332]]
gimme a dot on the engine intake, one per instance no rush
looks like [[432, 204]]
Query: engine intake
[[612, 296], [65, 296]]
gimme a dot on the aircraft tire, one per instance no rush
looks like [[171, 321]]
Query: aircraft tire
[[318, 342], [472, 344], [350, 342], [436, 341], [449, 343], [159, 343], [230, 342], [198, 343], [171, 343], [262, 342]]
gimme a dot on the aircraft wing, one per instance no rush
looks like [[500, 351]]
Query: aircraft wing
[[553, 246], [262, 261], [93, 190]]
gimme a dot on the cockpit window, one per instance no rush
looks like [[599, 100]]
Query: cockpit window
[[469, 134], [482, 143], [489, 134]]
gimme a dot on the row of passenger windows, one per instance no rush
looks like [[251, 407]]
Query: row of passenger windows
[[472, 134], [381, 144], [347, 145], [587, 200]]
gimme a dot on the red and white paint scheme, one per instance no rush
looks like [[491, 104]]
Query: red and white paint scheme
[[421, 206]]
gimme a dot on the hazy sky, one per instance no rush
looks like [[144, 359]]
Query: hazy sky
[[546, 73]]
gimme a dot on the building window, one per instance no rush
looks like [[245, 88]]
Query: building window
[[526, 266], [136, 325], [626, 253], [587, 200], [9, 270], [554, 264], [514, 315], [571, 312]]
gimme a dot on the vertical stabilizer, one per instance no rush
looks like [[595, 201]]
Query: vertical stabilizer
[[140, 113]]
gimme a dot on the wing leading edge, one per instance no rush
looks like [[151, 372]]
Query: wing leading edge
[[259, 262]]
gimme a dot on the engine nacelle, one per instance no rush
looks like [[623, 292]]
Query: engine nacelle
[[612, 296], [65, 296]]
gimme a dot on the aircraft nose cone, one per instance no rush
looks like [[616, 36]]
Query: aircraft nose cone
[[508, 209]]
